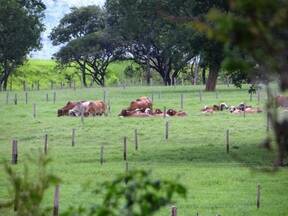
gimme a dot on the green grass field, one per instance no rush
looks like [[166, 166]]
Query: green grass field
[[195, 153]]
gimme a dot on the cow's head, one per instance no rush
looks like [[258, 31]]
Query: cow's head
[[223, 106], [124, 112], [60, 112], [171, 112], [232, 109], [158, 111]]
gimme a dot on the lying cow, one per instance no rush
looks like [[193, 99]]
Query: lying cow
[[237, 110], [133, 113], [141, 103], [172, 112], [88, 108], [215, 107]]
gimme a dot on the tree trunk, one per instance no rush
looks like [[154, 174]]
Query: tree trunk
[[148, 73], [84, 81], [204, 75], [212, 78]]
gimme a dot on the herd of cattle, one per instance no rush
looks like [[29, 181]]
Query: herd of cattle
[[143, 107], [233, 109]]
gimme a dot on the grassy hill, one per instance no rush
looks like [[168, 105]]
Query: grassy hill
[[45, 71], [195, 153]]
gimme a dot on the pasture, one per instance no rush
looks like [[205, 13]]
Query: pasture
[[195, 152]]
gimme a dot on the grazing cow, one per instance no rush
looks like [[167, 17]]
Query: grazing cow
[[282, 101], [141, 103], [65, 110]]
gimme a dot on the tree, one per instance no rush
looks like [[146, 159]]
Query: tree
[[92, 53], [211, 51], [152, 41], [259, 30], [20, 29], [78, 23]]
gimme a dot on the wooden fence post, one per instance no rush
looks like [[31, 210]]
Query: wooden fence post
[[166, 130], [47, 97], [26, 97], [125, 149], [73, 137], [82, 114], [15, 99], [46, 144], [258, 197], [227, 141], [164, 112], [181, 101], [14, 152], [136, 139], [38, 85], [104, 96], [267, 123], [109, 106], [34, 110], [74, 85], [102, 155], [56, 201], [200, 95], [258, 97], [7, 97], [174, 211], [54, 97]]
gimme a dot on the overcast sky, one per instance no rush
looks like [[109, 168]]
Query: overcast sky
[[54, 12]]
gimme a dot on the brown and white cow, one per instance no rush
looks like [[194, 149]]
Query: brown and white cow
[[89, 108]]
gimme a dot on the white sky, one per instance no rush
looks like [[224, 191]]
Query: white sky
[[54, 12]]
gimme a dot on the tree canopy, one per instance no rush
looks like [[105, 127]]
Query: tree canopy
[[20, 29]]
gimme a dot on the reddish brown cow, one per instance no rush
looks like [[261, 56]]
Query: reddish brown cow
[[141, 103], [65, 110], [96, 108]]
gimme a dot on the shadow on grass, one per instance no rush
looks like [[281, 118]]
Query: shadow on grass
[[247, 155]]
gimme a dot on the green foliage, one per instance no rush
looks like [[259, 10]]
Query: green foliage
[[258, 29], [132, 194], [149, 37], [79, 22], [20, 29], [86, 44], [28, 189]]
